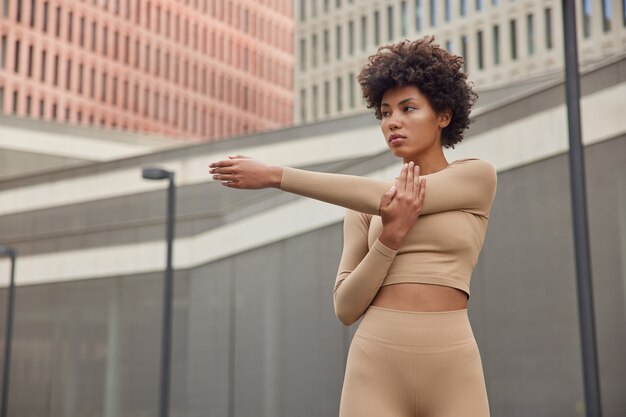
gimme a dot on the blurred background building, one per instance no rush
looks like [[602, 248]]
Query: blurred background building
[[254, 329], [507, 45], [194, 69]]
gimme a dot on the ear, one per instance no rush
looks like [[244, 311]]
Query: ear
[[445, 117]]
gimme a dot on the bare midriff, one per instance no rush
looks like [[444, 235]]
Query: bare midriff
[[420, 297]]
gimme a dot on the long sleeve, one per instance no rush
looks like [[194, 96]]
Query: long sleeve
[[362, 270], [467, 184]]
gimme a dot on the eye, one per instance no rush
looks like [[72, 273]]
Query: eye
[[409, 107], [385, 113]]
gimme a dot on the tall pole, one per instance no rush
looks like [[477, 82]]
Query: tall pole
[[4, 250], [166, 343], [579, 216]]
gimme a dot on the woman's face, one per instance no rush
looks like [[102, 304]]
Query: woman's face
[[411, 127]]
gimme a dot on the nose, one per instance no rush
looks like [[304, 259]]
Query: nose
[[393, 122]]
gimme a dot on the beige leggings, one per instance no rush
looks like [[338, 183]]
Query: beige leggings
[[414, 364]]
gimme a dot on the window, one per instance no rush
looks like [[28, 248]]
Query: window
[[326, 98], [93, 35], [433, 13], [92, 82], [376, 28], [447, 12], [418, 15], [496, 44], [70, 21], [302, 10], [479, 5], [315, 101], [513, 31], [351, 90], [530, 34], [68, 74], [15, 101], [351, 37], [105, 39], [80, 78], [314, 50], [479, 48], [548, 19], [103, 88], [606, 15], [339, 94], [81, 30], [302, 54], [463, 7], [16, 66], [33, 5], [30, 61], [338, 41], [43, 65], [19, 10], [3, 52], [364, 32], [449, 45], [45, 17], [57, 22], [586, 18], [403, 19], [389, 23], [326, 45]]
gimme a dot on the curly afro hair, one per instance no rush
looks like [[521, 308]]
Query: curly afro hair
[[430, 68]]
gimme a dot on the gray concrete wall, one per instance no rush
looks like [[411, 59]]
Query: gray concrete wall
[[255, 334]]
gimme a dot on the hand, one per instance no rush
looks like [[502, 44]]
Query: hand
[[401, 206], [240, 171]]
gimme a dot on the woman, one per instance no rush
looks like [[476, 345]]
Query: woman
[[410, 245]]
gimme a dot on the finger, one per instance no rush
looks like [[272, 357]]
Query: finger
[[238, 156], [409, 177], [223, 177], [401, 182], [416, 180], [422, 192], [226, 170], [223, 163]]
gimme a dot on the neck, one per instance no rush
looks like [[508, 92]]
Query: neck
[[429, 164]]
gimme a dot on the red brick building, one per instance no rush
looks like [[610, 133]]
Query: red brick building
[[201, 69]]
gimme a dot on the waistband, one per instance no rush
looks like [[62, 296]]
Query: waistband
[[416, 328]]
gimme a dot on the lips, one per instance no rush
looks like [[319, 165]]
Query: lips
[[394, 138]]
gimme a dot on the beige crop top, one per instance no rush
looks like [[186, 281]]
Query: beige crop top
[[442, 248]]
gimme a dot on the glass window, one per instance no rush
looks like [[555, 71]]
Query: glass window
[[606, 15], [314, 50], [479, 48], [447, 13], [302, 10], [586, 18], [530, 34], [433, 13], [548, 21], [303, 104], [364, 32], [351, 82], [463, 7], [513, 33], [389, 23], [326, 98], [418, 15], [403, 19], [464, 51], [496, 44], [302, 54], [339, 94], [315, 101], [479, 5], [351, 37], [376, 28], [338, 42], [3, 52], [326, 46]]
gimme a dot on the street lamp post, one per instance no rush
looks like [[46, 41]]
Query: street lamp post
[[166, 334], [591, 380], [10, 252]]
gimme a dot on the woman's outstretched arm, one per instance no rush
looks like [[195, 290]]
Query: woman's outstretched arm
[[467, 184]]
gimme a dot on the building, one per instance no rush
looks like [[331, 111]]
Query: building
[[254, 332], [198, 69], [503, 42]]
